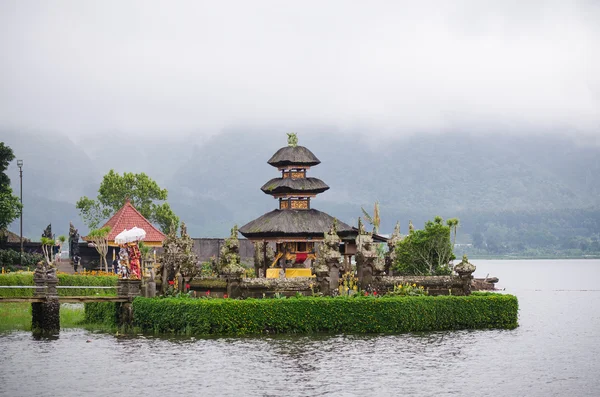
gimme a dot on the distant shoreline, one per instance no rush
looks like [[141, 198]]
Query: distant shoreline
[[522, 257]]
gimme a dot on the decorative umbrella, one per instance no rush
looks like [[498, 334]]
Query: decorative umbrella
[[131, 235]]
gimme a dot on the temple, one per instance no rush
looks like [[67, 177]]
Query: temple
[[295, 226]]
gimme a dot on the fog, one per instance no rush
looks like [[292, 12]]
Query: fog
[[391, 67]]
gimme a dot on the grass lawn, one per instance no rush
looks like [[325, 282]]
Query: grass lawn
[[17, 316]]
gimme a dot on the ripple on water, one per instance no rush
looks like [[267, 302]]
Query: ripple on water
[[553, 352]]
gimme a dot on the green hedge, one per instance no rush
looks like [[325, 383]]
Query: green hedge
[[106, 313], [63, 280], [313, 314]]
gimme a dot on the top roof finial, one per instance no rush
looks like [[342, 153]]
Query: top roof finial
[[292, 139]]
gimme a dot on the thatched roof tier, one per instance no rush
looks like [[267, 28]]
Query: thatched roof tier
[[293, 155], [291, 223], [289, 185]]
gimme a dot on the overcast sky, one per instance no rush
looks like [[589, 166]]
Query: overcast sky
[[398, 67]]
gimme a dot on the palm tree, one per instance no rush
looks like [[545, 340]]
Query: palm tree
[[453, 224]]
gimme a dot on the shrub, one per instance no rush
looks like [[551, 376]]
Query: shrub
[[316, 314], [106, 313], [26, 278], [9, 259]]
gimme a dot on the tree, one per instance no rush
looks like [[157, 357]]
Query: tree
[[425, 252], [453, 224], [178, 256], [99, 238], [47, 244], [10, 205], [139, 189]]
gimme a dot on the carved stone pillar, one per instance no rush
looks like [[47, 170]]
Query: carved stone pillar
[[465, 271], [45, 316]]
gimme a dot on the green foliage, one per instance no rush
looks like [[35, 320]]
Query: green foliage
[[99, 233], [26, 278], [206, 270], [101, 313], [425, 252], [9, 259], [142, 192], [316, 314], [10, 205]]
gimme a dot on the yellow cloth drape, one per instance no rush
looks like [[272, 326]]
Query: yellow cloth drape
[[301, 272], [289, 273]]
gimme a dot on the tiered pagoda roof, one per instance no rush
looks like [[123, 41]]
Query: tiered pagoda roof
[[293, 156], [293, 223], [294, 218], [289, 185]]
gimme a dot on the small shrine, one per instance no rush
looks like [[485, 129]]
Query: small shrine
[[127, 218], [295, 227], [127, 228]]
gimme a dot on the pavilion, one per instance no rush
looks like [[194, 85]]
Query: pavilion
[[128, 217], [295, 226]]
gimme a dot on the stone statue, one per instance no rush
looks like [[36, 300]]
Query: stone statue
[[390, 256], [327, 266], [51, 272], [292, 139], [229, 259], [411, 228], [40, 270], [73, 241], [368, 262]]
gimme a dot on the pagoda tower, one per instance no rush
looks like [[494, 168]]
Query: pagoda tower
[[295, 225]]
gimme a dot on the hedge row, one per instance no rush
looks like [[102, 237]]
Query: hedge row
[[106, 313], [314, 314], [63, 280]]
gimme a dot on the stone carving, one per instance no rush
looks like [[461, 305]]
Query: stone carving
[[292, 139], [40, 270], [327, 266], [73, 241], [229, 259], [390, 255], [178, 256], [368, 262], [47, 231], [465, 271], [411, 228]]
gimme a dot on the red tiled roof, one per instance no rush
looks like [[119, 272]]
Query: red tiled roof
[[128, 217]]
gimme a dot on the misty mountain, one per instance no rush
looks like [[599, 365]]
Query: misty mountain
[[215, 183]]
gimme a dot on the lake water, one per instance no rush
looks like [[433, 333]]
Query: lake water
[[554, 352]]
